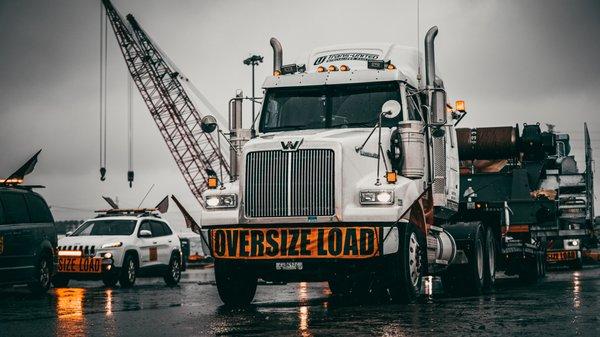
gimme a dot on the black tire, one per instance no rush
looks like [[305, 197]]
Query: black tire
[[173, 273], [128, 271], [110, 279], [468, 279], [42, 274], [489, 277], [236, 284], [407, 266], [530, 269], [60, 281]]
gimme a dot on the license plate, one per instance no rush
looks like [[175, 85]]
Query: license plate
[[296, 243], [561, 256], [79, 265], [288, 265]]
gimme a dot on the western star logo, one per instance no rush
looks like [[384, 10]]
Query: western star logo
[[282, 243], [291, 146]]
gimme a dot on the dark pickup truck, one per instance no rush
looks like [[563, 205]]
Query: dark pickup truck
[[27, 239]]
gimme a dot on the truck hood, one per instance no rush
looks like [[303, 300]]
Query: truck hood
[[97, 241]]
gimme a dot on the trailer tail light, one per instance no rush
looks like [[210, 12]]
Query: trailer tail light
[[320, 69], [332, 68], [344, 67], [212, 182]]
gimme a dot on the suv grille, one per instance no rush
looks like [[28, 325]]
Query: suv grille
[[299, 183]]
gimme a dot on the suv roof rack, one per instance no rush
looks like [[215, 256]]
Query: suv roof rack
[[139, 212]]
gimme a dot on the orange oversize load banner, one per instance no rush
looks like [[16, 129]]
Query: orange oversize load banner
[[294, 243]]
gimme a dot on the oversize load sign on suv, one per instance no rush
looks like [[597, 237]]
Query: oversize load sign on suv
[[290, 243]]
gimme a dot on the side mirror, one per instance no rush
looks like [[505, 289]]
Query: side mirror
[[391, 109], [208, 124], [69, 233], [144, 233]]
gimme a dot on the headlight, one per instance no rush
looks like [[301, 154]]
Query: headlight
[[376, 197], [112, 244], [221, 201]]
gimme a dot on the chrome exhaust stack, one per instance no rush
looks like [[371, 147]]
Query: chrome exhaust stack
[[277, 53]]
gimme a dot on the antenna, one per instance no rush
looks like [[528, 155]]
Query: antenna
[[418, 43], [144, 198]]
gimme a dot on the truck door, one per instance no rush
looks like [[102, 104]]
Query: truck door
[[16, 239]]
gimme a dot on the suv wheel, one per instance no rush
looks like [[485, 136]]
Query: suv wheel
[[110, 279], [173, 273], [43, 274], [128, 271]]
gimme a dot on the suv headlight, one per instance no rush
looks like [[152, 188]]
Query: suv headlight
[[112, 244], [221, 201], [376, 197]]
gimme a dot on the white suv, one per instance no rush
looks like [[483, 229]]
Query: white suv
[[119, 248]]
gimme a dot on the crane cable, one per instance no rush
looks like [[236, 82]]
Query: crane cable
[[130, 128], [103, 73]]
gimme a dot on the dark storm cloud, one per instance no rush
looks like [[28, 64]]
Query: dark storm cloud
[[513, 61]]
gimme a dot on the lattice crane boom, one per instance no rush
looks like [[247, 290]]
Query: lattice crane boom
[[178, 121]]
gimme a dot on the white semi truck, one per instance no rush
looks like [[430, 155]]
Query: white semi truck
[[352, 177]]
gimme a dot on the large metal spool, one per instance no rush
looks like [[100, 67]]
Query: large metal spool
[[488, 143]]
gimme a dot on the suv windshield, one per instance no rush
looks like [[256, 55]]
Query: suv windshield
[[330, 106], [106, 227]]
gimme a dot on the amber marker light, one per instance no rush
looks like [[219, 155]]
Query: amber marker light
[[391, 177], [69, 253], [344, 67], [390, 67], [276, 73], [332, 68], [460, 106], [320, 69], [212, 182]]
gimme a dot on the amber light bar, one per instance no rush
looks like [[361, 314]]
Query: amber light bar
[[69, 253]]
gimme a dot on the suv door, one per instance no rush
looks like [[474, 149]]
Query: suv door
[[148, 247], [162, 236], [17, 262]]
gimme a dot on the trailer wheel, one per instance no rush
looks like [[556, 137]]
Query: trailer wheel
[[468, 279], [490, 259], [236, 284], [531, 269], [408, 266]]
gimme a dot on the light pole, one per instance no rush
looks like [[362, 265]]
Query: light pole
[[253, 61]]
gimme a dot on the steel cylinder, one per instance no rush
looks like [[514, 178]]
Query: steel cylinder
[[487, 143], [412, 142]]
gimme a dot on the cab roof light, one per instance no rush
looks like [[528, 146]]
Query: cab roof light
[[320, 69], [276, 72], [390, 66], [344, 67], [332, 68], [212, 182], [11, 181]]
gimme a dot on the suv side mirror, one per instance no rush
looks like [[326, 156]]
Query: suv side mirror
[[69, 233], [144, 233]]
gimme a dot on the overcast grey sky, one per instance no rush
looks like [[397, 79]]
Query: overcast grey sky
[[512, 61]]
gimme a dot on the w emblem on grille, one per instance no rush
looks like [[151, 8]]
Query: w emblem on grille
[[291, 146]]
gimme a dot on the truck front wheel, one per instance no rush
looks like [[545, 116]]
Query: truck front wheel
[[408, 266], [235, 283]]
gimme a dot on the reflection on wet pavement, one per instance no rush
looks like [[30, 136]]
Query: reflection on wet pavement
[[565, 303]]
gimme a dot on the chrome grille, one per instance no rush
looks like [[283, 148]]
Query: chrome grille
[[298, 183]]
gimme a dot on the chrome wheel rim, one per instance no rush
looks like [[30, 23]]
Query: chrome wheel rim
[[175, 270], [414, 259], [44, 273], [479, 252], [131, 271], [491, 258]]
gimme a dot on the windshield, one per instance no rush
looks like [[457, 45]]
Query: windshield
[[330, 106], [106, 227]]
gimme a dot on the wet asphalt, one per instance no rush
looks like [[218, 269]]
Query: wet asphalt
[[566, 303]]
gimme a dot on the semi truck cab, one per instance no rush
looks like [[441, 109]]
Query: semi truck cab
[[353, 163]]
